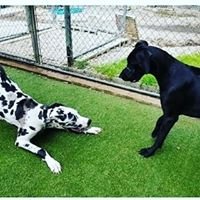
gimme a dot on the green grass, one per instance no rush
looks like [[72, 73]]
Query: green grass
[[103, 165], [111, 69], [80, 64], [190, 59]]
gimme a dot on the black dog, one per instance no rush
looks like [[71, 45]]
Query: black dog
[[179, 87]]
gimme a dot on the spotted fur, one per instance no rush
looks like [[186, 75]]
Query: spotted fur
[[30, 117]]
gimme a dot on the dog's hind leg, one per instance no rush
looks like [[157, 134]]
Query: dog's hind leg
[[23, 141], [165, 126]]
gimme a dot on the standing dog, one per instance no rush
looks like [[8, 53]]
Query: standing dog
[[179, 87], [30, 117]]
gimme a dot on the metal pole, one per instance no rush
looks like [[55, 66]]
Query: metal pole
[[125, 8], [32, 27], [68, 35]]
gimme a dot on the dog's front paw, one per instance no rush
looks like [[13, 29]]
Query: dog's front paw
[[93, 130], [146, 152], [54, 165]]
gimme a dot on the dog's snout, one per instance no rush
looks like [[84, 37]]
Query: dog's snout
[[120, 76], [124, 75], [89, 122]]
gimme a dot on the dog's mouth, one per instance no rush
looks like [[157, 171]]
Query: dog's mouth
[[136, 78], [79, 129], [134, 81]]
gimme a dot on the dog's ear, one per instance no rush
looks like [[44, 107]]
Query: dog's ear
[[141, 44], [143, 58], [55, 105]]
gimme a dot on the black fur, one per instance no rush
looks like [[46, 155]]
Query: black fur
[[41, 153], [179, 87]]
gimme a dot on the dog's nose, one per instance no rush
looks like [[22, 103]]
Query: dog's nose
[[120, 76], [123, 74], [89, 122]]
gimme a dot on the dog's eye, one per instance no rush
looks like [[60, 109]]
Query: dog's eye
[[61, 117], [70, 115], [74, 118], [60, 112]]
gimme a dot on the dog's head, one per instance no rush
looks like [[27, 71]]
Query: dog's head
[[138, 63], [61, 117]]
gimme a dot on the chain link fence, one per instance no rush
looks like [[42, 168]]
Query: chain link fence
[[45, 31], [63, 35]]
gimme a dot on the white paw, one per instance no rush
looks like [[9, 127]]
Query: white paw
[[93, 130], [53, 165]]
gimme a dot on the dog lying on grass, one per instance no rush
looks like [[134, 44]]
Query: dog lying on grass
[[30, 117], [179, 87]]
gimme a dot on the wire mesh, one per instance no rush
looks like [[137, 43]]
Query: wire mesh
[[99, 34]]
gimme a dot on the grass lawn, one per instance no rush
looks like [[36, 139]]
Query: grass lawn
[[103, 165], [190, 59]]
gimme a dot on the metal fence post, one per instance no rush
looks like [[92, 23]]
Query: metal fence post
[[68, 35], [32, 27], [124, 19]]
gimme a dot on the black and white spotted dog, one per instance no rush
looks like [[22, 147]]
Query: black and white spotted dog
[[30, 117]]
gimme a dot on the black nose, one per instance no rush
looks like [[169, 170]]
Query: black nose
[[120, 76], [89, 122]]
